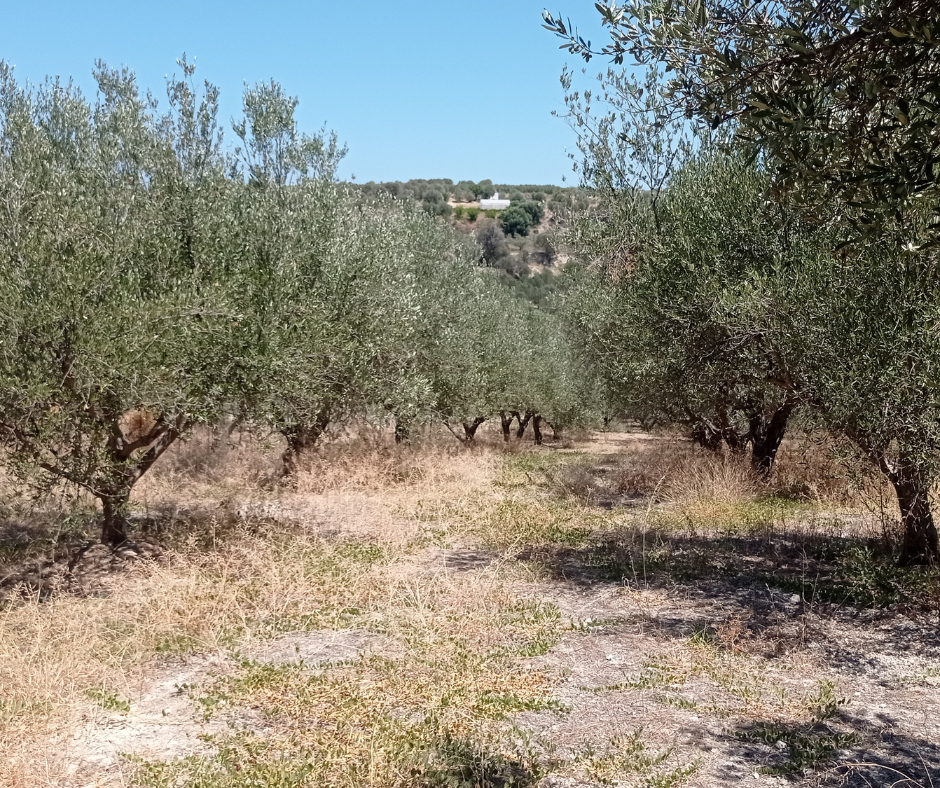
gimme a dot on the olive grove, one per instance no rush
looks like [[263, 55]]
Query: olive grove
[[154, 279], [827, 111]]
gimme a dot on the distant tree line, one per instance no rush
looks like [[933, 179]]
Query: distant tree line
[[436, 194]]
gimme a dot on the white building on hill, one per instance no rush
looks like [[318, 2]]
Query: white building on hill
[[494, 204]]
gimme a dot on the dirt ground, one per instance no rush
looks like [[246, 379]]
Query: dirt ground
[[701, 673]]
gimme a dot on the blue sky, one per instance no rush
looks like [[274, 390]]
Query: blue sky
[[420, 89]]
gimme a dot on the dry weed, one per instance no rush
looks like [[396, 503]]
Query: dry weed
[[719, 479], [726, 682], [53, 654], [245, 561], [341, 548], [441, 694], [817, 466]]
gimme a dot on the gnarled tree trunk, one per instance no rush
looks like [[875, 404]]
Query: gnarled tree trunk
[[505, 421], [126, 471], [766, 436], [402, 430], [523, 422], [912, 483], [706, 435], [556, 435], [114, 510], [537, 428], [301, 438], [920, 542], [470, 430]]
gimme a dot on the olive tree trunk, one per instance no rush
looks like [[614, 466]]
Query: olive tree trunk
[[706, 435], [301, 438], [920, 544], [912, 482], [470, 430], [402, 430], [537, 428], [766, 435], [505, 421], [114, 510], [523, 422], [556, 433], [127, 466]]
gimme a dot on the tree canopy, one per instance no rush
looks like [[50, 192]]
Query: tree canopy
[[832, 104], [842, 97]]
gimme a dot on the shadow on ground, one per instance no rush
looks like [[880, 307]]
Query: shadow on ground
[[844, 600], [844, 751], [772, 570]]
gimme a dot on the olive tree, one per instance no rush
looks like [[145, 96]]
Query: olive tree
[[839, 100], [671, 323], [862, 328], [118, 332], [293, 228], [681, 228]]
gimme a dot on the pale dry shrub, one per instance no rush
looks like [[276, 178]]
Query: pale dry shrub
[[810, 466], [214, 456], [342, 481], [644, 470], [359, 457], [380, 466], [702, 476], [821, 467], [694, 489], [579, 481]]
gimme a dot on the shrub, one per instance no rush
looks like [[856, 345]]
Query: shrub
[[491, 238], [534, 210], [513, 266], [515, 221], [545, 249]]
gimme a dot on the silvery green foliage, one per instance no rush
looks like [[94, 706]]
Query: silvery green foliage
[[150, 283], [673, 215], [115, 290], [273, 149], [841, 95], [666, 309], [628, 140], [837, 101]]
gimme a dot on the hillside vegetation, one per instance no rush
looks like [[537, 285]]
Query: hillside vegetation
[[526, 243]]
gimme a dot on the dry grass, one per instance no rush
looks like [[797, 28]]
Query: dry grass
[[53, 653], [810, 466], [246, 560], [362, 540], [213, 463], [384, 720], [728, 681]]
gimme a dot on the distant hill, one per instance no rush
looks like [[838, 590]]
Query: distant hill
[[441, 195], [527, 261]]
